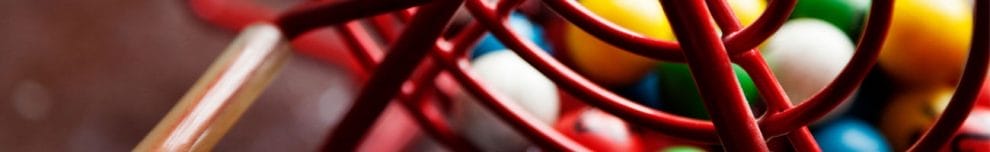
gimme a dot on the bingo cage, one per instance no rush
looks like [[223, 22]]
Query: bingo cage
[[709, 38]]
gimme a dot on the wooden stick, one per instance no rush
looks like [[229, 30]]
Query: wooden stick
[[220, 97]]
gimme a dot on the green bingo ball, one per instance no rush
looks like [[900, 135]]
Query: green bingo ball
[[848, 15], [681, 97], [683, 149]]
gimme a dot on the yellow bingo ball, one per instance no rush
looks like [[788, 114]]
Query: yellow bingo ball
[[747, 11], [928, 42], [910, 114], [611, 66]]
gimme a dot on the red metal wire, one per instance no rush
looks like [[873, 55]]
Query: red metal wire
[[516, 117], [685, 128], [608, 32], [709, 63], [386, 27], [968, 89], [427, 117], [532, 128], [324, 13], [387, 79], [362, 47], [778, 11], [521, 121], [695, 32], [776, 99], [769, 88], [863, 60], [593, 94]]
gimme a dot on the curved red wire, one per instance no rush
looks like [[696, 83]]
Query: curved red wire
[[595, 95], [968, 89], [316, 14], [386, 81], [516, 117], [692, 129], [778, 121], [427, 117], [711, 68], [863, 60], [772, 19], [531, 127], [771, 91]]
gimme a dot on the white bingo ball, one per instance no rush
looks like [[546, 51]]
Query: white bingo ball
[[512, 77], [806, 55]]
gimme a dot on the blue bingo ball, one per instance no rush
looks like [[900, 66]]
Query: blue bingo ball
[[645, 92], [850, 135], [520, 24]]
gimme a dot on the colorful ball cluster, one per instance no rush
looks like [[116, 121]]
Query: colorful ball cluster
[[611, 66]]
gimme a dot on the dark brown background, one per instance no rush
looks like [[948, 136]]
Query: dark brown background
[[97, 75]]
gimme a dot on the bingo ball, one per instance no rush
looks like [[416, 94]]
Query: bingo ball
[[611, 66], [909, 114], [519, 24], [747, 10], [974, 134], [606, 64], [806, 55], [598, 130], [510, 76], [850, 135], [682, 149], [653, 140], [983, 101], [847, 15], [928, 42], [680, 95], [645, 91]]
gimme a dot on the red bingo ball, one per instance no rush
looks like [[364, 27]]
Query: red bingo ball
[[598, 130], [974, 134]]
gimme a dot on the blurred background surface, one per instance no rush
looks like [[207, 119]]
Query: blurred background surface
[[98, 75]]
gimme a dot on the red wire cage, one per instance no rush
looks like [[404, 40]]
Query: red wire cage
[[405, 72]]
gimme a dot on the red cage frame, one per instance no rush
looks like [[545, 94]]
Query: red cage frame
[[417, 57]]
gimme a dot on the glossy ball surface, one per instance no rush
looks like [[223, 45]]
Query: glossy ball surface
[[611, 66], [850, 135], [747, 10], [510, 76], [806, 55], [928, 42], [606, 64], [983, 101], [683, 149], [598, 130], [644, 92], [974, 134], [519, 24], [680, 94], [909, 114]]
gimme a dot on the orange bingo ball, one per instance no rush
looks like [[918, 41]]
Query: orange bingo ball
[[928, 42]]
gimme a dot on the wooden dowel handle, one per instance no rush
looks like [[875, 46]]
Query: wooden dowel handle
[[222, 94]]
